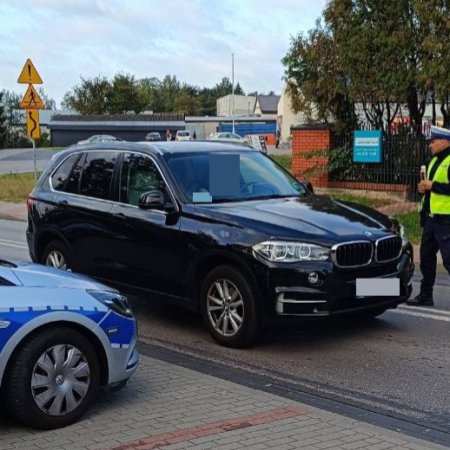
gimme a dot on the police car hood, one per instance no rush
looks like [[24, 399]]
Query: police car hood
[[35, 275]]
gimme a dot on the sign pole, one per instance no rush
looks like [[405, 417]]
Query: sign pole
[[35, 162]]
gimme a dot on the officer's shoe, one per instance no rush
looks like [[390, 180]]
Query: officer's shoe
[[421, 300]]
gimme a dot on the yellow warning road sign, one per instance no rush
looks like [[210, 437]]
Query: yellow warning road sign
[[31, 100], [33, 129], [29, 74]]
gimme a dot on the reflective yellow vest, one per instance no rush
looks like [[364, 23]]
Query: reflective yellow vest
[[439, 203]]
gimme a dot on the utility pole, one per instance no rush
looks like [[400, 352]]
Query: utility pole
[[232, 89]]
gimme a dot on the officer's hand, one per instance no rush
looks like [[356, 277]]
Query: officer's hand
[[425, 186]]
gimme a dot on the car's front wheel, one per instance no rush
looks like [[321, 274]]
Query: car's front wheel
[[57, 255], [229, 307], [52, 379]]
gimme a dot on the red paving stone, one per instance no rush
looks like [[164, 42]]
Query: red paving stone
[[210, 429]]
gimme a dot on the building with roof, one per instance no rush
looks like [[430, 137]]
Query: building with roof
[[266, 105], [69, 129]]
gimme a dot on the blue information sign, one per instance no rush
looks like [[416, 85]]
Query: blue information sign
[[367, 146]]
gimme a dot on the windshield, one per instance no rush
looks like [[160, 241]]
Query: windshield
[[231, 176], [183, 133]]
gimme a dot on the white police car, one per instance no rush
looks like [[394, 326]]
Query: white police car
[[61, 336]]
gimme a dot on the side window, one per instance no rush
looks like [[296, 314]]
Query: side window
[[73, 181], [63, 172], [139, 175], [97, 174]]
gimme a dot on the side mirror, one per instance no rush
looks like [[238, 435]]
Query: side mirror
[[151, 200], [307, 185]]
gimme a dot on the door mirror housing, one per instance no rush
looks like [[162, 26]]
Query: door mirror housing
[[152, 200]]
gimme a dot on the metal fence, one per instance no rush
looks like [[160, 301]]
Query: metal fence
[[403, 154]]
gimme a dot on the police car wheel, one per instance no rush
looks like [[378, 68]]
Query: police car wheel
[[52, 379]]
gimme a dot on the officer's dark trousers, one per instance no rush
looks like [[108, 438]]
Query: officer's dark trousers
[[435, 236]]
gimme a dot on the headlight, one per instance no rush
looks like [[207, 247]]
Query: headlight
[[285, 251], [403, 235], [113, 300]]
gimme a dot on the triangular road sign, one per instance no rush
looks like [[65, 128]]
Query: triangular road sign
[[31, 100], [29, 74]]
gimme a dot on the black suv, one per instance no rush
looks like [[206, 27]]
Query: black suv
[[218, 227]]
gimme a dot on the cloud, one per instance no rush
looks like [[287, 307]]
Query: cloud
[[190, 39]]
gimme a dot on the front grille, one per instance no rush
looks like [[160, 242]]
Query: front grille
[[387, 249], [352, 254]]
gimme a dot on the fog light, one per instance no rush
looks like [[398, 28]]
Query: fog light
[[313, 278]]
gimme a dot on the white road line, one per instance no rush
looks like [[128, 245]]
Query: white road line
[[419, 314], [424, 309], [15, 244]]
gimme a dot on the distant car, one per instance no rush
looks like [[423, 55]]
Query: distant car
[[227, 137], [153, 136], [61, 336], [183, 135], [100, 138]]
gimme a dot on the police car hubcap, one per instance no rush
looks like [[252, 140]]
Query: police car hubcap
[[60, 380]]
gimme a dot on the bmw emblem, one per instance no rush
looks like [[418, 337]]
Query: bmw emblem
[[368, 233]]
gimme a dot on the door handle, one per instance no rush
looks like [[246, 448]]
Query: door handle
[[120, 215]]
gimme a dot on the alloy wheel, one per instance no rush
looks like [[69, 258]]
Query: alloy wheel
[[56, 259], [225, 307]]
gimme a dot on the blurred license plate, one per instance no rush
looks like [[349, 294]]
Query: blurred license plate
[[377, 287]]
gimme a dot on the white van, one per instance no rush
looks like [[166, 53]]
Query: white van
[[183, 135]]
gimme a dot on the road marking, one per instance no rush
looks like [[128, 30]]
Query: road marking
[[212, 429], [422, 315], [15, 244], [424, 309]]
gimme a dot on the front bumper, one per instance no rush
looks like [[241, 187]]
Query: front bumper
[[291, 294]]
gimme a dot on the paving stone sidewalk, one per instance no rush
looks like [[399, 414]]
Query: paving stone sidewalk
[[171, 407]]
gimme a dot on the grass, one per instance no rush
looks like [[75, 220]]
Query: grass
[[15, 187], [283, 160], [411, 222], [366, 201]]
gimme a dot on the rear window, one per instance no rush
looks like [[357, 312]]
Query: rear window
[[183, 133], [97, 174]]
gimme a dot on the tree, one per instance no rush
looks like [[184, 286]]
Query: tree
[[49, 103], [11, 104], [2, 122], [123, 95], [90, 97], [381, 55]]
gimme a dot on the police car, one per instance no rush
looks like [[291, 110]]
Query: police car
[[61, 336]]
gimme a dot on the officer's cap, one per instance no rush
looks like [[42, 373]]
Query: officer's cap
[[434, 132]]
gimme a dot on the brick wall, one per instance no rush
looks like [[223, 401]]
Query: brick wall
[[306, 139]]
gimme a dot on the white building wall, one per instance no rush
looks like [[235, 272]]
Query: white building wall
[[243, 105], [286, 116]]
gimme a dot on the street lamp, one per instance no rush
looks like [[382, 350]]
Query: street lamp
[[232, 90]]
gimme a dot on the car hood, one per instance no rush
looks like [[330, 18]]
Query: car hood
[[317, 217], [36, 275]]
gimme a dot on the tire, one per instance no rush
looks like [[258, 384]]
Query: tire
[[232, 322], [57, 255], [35, 366]]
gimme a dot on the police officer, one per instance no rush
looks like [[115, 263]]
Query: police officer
[[435, 214]]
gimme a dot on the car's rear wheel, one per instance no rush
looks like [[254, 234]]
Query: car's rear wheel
[[52, 379], [57, 255], [229, 307]]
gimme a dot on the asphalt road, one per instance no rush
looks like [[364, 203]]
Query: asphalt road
[[397, 365], [22, 160]]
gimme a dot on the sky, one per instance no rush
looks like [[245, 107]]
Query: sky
[[191, 39]]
